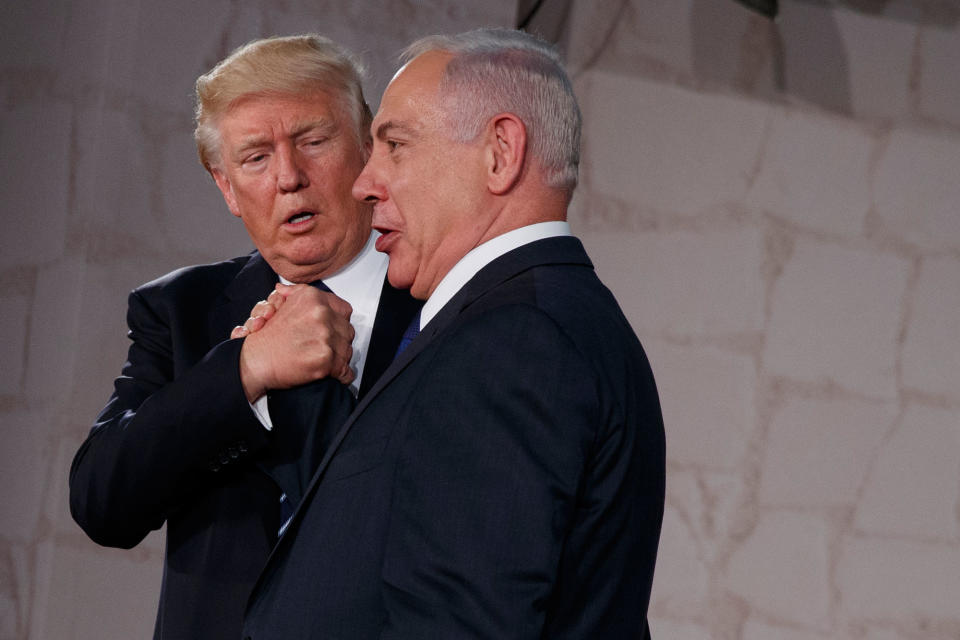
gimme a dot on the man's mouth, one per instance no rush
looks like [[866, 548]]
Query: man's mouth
[[386, 239], [301, 216]]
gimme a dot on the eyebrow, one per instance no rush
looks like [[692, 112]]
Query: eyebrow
[[323, 126], [255, 140], [391, 125]]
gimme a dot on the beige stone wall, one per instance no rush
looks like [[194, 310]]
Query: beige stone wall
[[777, 209]]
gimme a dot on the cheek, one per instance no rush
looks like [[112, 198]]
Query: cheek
[[253, 198]]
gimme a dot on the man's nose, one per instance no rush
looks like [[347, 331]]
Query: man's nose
[[367, 188], [290, 173]]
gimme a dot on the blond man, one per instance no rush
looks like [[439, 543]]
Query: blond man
[[195, 434]]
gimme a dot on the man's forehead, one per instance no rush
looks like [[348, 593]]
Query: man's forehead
[[411, 95], [296, 112], [426, 68], [395, 115]]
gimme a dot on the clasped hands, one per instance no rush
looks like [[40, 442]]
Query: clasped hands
[[297, 335]]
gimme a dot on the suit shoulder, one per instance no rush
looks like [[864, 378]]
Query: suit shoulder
[[508, 325], [570, 295], [188, 278], [576, 297], [573, 303]]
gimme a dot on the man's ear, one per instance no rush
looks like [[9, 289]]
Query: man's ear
[[506, 152], [223, 183]]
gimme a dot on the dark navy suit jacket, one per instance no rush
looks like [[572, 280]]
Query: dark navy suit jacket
[[178, 444], [503, 479]]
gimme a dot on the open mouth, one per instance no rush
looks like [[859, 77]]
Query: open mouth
[[386, 239], [302, 216]]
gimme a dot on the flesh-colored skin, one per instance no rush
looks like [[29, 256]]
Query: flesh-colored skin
[[286, 168]]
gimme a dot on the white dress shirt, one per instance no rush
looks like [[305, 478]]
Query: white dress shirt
[[482, 255], [359, 282]]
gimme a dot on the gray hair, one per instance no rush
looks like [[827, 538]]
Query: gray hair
[[500, 70], [278, 66]]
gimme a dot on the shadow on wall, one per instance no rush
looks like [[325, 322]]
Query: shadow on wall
[[800, 55], [547, 18], [943, 13]]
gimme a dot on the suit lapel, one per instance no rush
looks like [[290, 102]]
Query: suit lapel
[[253, 283]]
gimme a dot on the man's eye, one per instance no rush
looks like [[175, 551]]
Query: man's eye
[[254, 159], [393, 145]]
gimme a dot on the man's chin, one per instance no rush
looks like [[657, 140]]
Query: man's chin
[[300, 269], [399, 278]]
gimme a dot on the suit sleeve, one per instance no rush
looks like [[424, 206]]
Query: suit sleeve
[[162, 435], [494, 457]]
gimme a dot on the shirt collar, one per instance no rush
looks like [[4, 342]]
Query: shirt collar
[[482, 255]]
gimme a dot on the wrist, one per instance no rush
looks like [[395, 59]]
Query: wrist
[[251, 379]]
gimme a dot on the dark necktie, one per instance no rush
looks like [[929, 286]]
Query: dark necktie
[[286, 506], [412, 331], [319, 285]]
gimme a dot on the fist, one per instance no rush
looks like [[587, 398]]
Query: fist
[[297, 335]]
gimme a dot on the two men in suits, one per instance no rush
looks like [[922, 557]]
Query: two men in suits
[[187, 438], [504, 478]]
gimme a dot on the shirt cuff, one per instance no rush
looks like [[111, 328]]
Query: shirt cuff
[[262, 412]]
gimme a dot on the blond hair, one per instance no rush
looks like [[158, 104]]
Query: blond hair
[[278, 66]]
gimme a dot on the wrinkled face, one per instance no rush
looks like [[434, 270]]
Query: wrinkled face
[[427, 189], [287, 165]]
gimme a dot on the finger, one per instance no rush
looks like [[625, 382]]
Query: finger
[[238, 332], [340, 341], [263, 309], [338, 305], [254, 324], [346, 374], [285, 289], [276, 299], [335, 356]]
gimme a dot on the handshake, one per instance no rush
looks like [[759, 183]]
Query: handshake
[[297, 335]]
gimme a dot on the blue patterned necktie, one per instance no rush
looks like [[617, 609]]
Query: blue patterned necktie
[[411, 332]]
